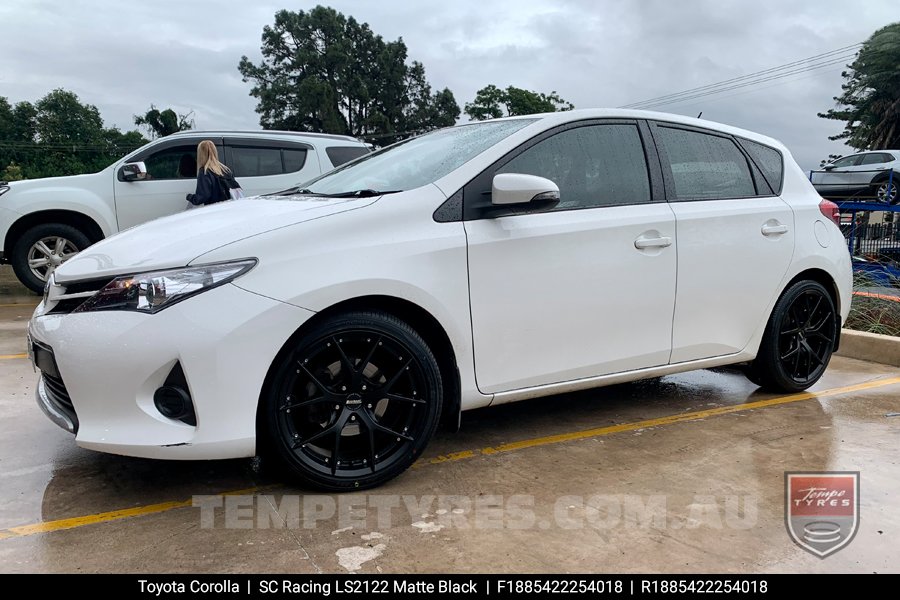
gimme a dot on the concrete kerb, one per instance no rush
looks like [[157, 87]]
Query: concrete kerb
[[873, 347]]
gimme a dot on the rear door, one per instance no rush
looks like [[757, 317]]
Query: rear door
[[264, 166], [735, 238]]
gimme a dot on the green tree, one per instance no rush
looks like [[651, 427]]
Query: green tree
[[322, 71], [58, 135], [870, 102], [17, 132], [12, 172], [492, 103], [160, 123]]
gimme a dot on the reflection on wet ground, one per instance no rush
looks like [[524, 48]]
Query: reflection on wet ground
[[705, 494]]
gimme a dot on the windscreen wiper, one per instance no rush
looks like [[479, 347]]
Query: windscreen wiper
[[367, 193], [295, 190]]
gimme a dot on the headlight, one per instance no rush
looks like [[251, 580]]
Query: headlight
[[153, 291]]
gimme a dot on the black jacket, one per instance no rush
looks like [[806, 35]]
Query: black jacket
[[212, 188]]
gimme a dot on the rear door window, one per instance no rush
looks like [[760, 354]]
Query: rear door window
[[703, 166], [875, 158], [256, 162]]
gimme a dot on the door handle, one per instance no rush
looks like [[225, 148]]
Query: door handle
[[659, 242], [774, 229]]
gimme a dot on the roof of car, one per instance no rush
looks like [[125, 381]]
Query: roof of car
[[239, 132], [625, 113]]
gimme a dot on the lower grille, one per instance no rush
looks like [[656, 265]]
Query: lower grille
[[52, 386], [57, 392], [56, 395]]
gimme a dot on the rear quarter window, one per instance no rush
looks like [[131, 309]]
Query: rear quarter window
[[769, 161]]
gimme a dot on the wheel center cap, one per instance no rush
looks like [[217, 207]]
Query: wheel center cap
[[353, 401]]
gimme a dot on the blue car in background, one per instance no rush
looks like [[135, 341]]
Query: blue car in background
[[880, 274]]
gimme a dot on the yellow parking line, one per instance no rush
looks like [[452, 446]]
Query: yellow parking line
[[105, 517], [12, 356], [20, 305], [113, 515], [138, 511]]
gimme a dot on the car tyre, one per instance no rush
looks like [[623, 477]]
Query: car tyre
[[881, 191], [43, 248], [798, 340], [353, 402]]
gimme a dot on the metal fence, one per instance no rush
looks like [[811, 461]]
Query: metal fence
[[872, 230]]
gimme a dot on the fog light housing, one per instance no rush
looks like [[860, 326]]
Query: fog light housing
[[173, 400]]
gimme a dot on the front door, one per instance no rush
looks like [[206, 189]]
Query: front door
[[172, 174], [586, 289]]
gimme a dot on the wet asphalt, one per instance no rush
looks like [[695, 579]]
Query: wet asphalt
[[679, 474]]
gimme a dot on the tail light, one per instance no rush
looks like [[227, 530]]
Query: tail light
[[831, 211]]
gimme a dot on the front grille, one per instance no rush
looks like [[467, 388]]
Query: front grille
[[61, 298]]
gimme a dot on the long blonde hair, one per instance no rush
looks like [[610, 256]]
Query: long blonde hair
[[208, 158]]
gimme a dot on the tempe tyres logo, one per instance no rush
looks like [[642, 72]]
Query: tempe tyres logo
[[821, 510]]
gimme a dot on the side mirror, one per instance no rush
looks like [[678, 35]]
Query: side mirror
[[517, 190], [828, 167], [136, 171]]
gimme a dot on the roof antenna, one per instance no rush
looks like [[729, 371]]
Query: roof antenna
[[700, 115]]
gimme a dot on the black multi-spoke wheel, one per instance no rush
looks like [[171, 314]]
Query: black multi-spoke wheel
[[354, 402], [798, 340]]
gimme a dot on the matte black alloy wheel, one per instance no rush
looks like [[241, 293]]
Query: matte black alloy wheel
[[806, 336], [798, 340], [355, 402]]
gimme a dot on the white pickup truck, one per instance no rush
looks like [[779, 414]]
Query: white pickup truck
[[44, 222]]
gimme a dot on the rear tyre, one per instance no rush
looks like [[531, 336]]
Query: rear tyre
[[41, 249], [798, 340], [884, 195], [353, 402]]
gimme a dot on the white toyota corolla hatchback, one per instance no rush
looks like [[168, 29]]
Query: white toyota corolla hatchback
[[333, 326]]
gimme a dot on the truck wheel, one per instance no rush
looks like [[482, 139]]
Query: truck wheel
[[43, 248]]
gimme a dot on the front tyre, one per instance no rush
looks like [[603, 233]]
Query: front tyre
[[798, 341], [43, 248], [353, 402]]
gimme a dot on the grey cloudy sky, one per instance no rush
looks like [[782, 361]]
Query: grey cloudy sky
[[183, 54]]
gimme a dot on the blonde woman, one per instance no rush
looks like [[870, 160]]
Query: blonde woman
[[213, 178]]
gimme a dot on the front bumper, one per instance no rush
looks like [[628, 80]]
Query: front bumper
[[112, 363]]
